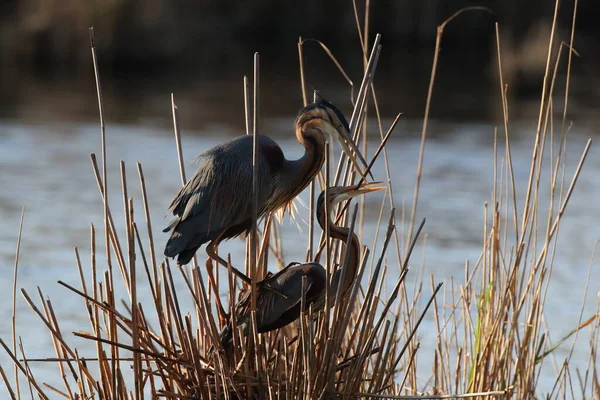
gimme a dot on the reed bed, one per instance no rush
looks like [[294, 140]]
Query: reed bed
[[490, 335]]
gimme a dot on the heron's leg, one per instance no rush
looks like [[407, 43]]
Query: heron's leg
[[210, 250], [220, 310]]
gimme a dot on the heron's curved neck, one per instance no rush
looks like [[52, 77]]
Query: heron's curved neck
[[303, 170], [341, 233]]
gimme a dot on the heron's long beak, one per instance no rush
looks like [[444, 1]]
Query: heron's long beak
[[343, 193], [357, 190], [352, 151]]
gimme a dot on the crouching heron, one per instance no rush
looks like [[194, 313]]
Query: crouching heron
[[278, 298]]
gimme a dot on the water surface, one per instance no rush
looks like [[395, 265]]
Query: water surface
[[46, 169]]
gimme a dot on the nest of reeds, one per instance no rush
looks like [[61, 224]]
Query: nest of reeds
[[490, 340]]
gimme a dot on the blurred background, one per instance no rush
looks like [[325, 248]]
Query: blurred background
[[200, 50]]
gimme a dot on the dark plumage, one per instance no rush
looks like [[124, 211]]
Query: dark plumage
[[208, 204], [216, 203], [275, 310], [280, 306]]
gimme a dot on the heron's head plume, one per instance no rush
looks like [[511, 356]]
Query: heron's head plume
[[324, 111], [321, 120]]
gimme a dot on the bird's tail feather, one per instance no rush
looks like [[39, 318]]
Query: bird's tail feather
[[175, 245], [226, 338], [187, 255], [184, 241], [226, 335], [172, 224]]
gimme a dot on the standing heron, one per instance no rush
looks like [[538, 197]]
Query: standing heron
[[216, 203], [281, 306]]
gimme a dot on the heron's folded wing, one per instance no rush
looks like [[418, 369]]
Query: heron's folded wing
[[287, 283], [220, 192]]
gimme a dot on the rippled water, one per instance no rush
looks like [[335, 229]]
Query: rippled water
[[47, 170]]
